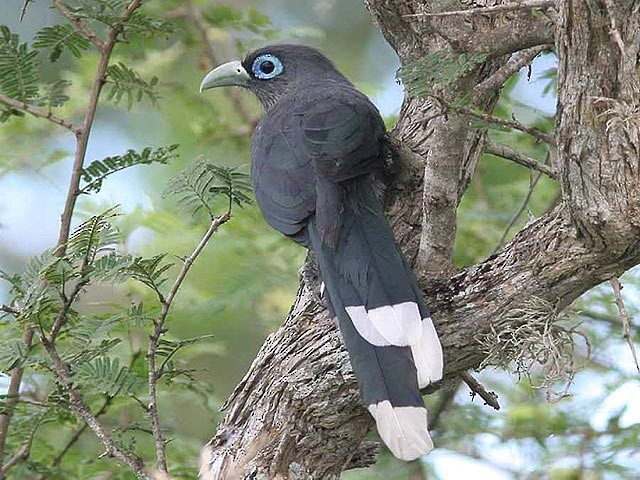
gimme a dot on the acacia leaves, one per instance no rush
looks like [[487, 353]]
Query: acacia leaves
[[127, 84], [94, 174], [57, 38], [440, 68], [18, 67], [200, 185]]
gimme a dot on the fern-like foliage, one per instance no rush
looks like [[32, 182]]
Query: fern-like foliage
[[167, 349], [149, 271], [200, 185], [18, 67], [95, 236], [227, 16], [98, 170], [147, 26], [440, 68], [127, 83], [57, 38], [109, 12], [107, 376], [55, 94]]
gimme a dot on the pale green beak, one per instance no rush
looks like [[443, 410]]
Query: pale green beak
[[226, 75]]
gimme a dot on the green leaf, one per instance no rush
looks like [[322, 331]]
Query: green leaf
[[18, 68], [96, 235], [127, 83], [98, 170], [55, 94], [149, 271], [223, 16], [107, 376], [440, 68], [147, 26], [58, 37], [203, 182]]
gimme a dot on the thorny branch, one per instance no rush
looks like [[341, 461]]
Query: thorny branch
[[10, 310], [38, 112], [490, 398], [487, 87], [624, 318], [485, 117], [508, 153], [80, 26], [61, 368], [159, 329], [13, 393]]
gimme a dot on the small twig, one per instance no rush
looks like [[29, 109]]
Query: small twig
[[38, 112], [534, 132], [508, 153], [83, 138], [25, 5], [21, 454], [518, 213], [79, 407], [80, 26], [154, 340], [615, 33], [490, 398], [13, 393], [624, 318], [505, 7], [10, 310], [195, 16], [500, 76]]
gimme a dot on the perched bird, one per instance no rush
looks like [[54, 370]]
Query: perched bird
[[312, 155]]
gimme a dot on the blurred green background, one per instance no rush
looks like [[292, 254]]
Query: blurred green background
[[243, 285]]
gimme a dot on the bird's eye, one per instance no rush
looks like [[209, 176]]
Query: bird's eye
[[266, 67]]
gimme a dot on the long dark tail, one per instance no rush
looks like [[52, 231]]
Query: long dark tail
[[393, 347]]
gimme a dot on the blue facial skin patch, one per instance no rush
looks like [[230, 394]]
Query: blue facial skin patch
[[266, 66]]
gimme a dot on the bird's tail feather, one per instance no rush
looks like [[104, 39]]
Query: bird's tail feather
[[392, 344]]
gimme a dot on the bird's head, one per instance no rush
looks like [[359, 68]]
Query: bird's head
[[272, 71]]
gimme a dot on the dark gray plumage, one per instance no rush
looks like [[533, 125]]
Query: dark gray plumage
[[312, 156]]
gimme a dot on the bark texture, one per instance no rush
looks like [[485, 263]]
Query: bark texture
[[297, 413]]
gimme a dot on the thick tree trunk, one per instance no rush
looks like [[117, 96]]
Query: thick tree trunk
[[297, 412]]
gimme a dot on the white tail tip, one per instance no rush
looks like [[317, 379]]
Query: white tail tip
[[427, 355], [404, 430], [399, 324]]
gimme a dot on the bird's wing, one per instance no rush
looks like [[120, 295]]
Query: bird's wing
[[344, 135], [282, 173]]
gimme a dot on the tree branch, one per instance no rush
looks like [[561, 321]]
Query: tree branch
[[10, 310], [38, 112], [513, 65], [490, 398], [493, 9], [63, 374], [516, 216], [82, 411], [83, 138], [624, 318], [80, 26], [508, 153], [154, 373], [514, 124], [13, 393]]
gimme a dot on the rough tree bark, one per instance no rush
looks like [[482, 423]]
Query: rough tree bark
[[297, 413]]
